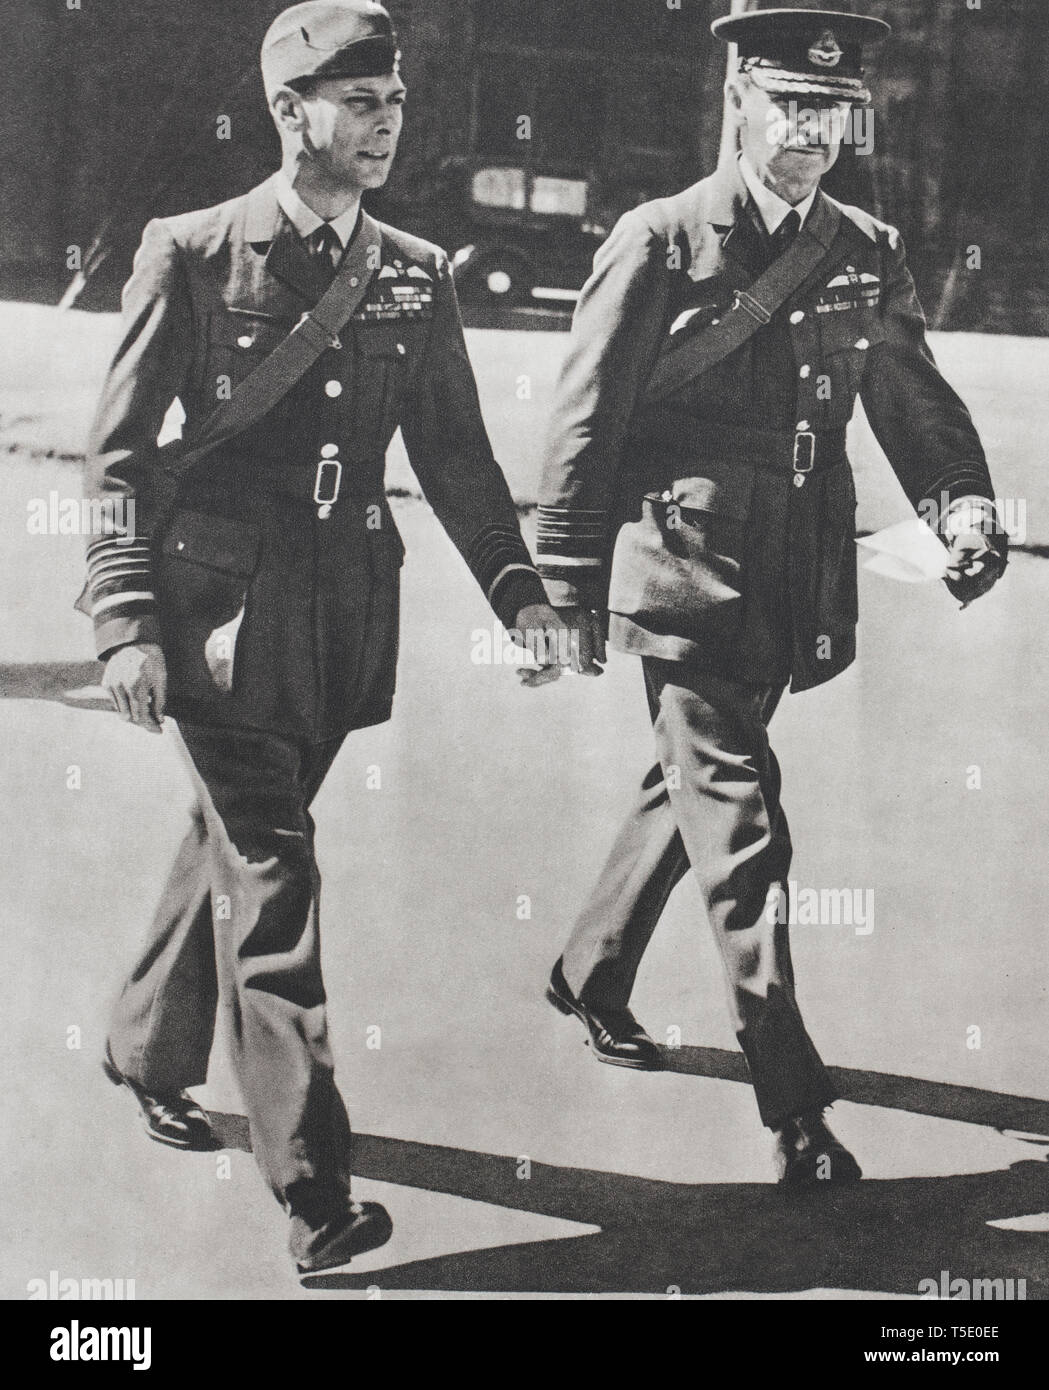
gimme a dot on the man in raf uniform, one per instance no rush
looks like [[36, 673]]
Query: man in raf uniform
[[696, 491], [261, 609]]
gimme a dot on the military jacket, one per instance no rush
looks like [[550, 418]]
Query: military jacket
[[694, 520], [272, 610]]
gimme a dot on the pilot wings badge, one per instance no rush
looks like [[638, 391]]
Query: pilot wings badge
[[826, 51]]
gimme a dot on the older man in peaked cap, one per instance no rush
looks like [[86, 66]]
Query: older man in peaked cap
[[697, 500], [259, 606]]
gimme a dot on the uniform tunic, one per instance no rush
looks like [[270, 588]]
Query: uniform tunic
[[314, 654], [749, 574]]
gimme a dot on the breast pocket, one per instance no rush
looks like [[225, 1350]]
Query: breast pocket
[[203, 575], [847, 338], [237, 341], [386, 354]]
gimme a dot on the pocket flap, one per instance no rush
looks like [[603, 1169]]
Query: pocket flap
[[246, 330], [852, 328], [382, 340], [216, 541]]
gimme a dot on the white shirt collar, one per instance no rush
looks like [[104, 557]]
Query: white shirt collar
[[306, 221], [772, 207]]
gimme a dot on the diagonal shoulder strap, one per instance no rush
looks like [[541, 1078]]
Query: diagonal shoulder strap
[[753, 308], [291, 359]]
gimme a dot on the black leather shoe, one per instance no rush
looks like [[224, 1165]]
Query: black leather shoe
[[176, 1120], [808, 1155], [615, 1037], [365, 1226]]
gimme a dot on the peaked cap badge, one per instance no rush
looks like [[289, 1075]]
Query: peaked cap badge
[[826, 51]]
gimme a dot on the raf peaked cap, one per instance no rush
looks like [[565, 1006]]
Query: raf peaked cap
[[328, 38], [804, 53]]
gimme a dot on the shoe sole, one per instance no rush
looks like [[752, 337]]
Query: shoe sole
[[381, 1234], [563, 1007], [185, 1145]]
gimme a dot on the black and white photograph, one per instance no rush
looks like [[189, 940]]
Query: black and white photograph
[[568, 475]]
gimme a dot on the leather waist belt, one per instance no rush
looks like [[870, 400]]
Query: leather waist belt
[[331, 481], [798, 452]]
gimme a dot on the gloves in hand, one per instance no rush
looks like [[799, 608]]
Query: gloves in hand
[[977, 552]]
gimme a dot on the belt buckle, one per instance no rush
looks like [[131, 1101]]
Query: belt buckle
[[804, 461], [325, 504]]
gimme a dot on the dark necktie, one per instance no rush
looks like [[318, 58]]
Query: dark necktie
[[784, 234], [325, 246]]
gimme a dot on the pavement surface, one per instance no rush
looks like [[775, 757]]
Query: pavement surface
[[512, 1163]]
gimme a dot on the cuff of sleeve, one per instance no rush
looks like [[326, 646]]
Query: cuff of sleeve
[[518, 590], [122, 632], [965, 484], [591, 592], [969, 513], [561, 593]]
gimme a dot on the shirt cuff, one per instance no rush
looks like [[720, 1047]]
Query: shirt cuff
[[970, 513]]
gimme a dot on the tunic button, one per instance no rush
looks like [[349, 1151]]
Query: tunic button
[[863, 344], [245, 340], [354, 281], [714, 322], [805, 372], [328, 451], [333, 388], [797, 316], [401, 349], [803, 425], [181, 545], [850, 270]]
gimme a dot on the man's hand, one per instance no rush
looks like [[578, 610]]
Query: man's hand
[[974, 565], [587, 639], [546, 639], [136, 677]]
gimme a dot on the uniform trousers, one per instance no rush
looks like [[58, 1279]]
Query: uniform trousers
[[238, 923], [712, 803]]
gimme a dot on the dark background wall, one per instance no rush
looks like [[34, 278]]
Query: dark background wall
[[111, 111]]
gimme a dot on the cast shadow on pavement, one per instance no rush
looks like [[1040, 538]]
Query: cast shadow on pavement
[[937, 1099], [657, 1237], [660, 1237]]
